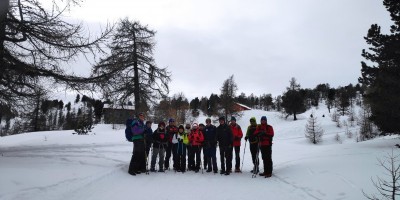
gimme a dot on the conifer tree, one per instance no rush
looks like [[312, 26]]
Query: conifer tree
[[382, 77], [132, 67], [293, 100], [313, 130]]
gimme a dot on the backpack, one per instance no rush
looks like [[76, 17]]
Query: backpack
[[128, 130]]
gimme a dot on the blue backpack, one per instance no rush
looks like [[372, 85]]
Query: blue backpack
[[128, 130]]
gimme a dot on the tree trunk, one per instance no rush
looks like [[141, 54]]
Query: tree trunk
[[136, 90], [4, 6]]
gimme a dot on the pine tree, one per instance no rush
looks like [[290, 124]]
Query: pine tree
[[132, 68], [293, 100], [383, 78], [228, 94], [313, 130]]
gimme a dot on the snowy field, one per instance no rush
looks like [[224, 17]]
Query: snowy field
[[60, 165]]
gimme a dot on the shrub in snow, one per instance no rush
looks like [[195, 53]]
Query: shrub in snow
[[335, 116], [367, 128], [84, 126], [388, 188], [338, 138]]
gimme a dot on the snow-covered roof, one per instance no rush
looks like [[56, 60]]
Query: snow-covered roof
[[244, 106]]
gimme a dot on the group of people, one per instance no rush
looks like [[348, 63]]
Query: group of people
[[181, 142]]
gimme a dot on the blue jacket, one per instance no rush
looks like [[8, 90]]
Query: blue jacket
[[148, 135], [210, 136]]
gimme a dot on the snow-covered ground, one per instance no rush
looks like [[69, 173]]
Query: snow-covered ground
[[60, 165]]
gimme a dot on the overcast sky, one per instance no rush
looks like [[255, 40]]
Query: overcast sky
[[263, 43]]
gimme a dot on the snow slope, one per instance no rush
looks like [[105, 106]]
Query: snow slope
[[59, 165]]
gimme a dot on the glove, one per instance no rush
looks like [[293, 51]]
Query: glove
[[246, 138], [262, 133]]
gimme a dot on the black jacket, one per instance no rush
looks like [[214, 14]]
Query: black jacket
[[160, 139], [224, 135]]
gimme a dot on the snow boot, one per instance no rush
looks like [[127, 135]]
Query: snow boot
[[268, 175], [132, 173]]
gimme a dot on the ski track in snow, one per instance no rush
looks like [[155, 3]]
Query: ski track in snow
[[70, 167]]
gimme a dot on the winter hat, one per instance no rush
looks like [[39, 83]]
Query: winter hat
[[187, 126], [222, 118], [233, 118], [171, 120], [264, 118], [181, 127], [161, 124], [201, 125], [253, 121], [195, 125]]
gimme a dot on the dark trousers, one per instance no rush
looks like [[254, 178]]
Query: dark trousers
[[190, 158], [254, 150], [205, 157], [211, 157], [195, 153], [266, 153], [138, 160], [237, 157], [168, 153], [148, 147], [180, 157], [226, 157]]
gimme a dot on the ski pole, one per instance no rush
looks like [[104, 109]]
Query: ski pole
[[145, 156], [244, 151], [201, 163]]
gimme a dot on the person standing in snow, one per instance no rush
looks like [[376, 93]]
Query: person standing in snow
[[171, 130], [265, 133], [196, 138], [148, 137], [190, 167], [138, 160], [253, 140], [237, 137], [225, 140], [210, 146], [160, 142], [201, 128], [180, 141]]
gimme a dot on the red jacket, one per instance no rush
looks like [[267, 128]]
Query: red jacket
[[237, 134], [196, 137], [171, 130], [265, 133]]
